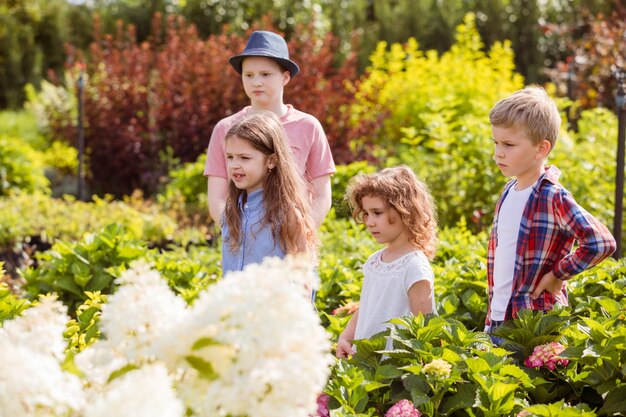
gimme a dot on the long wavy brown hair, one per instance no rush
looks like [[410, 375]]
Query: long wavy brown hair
[[285, 191], [400, 188]]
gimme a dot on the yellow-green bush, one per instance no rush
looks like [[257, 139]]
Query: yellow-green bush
[[437, 122], [587, 162], [340, 181], [432, 94], [186, 193], [21, 167], [23, 217]]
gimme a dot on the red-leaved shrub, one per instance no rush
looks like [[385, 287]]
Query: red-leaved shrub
[[596, 47], [148, 103]]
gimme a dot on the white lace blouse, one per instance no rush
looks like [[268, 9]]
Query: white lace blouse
[[384, 294]]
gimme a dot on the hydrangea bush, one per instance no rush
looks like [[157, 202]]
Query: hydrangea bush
[[251, 345]]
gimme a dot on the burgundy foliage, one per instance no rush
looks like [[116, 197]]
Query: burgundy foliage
[[151, 102], [597, 46]]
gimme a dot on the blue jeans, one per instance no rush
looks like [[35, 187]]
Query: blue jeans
[[494, 324]]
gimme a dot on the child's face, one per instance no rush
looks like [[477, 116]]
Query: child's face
[[247, 167], [517, 155], [264, 81], [382, 221]]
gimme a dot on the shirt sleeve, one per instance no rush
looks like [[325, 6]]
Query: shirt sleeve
[[595, 242], [215, 164], [320, 160], [418, 270]]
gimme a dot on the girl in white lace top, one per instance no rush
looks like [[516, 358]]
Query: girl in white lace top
[[398, 211]]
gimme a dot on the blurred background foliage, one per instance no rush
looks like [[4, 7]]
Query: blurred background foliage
[[33, 33], [393, 81]]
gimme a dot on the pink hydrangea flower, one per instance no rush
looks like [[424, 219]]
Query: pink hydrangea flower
[[346, 309], [546, 355], [403, 408], [322, 405]]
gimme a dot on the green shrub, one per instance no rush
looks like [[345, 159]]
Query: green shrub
[[54, 107], [478, 377], [71, 270], [587, 161], [437, 120], [185, 195], [77, 271], [340, 181], [21, 167], [22, 124], [83, 330], [58, 159], [460, 268], [10, 305], [345, 247], [24, 217]]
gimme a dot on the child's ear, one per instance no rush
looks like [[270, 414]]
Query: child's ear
[[544, 148], [271, 161], [286, 77]]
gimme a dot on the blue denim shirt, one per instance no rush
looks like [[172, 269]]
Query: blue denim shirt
[[257, 242]]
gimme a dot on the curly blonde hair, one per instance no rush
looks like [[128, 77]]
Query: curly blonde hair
[[400, 188]]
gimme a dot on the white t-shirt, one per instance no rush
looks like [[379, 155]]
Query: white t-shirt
[[384, 294], [509, 219]]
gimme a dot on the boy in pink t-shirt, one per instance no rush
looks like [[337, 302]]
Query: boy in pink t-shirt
[[265, 69]]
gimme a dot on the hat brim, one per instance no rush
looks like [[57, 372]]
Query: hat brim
[[237, 60]]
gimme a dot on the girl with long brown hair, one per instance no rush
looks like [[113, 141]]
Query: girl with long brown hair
[[268, 209]]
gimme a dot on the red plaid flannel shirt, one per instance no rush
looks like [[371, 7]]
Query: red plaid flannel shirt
[[551, 222]]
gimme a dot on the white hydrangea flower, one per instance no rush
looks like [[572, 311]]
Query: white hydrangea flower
[[32, 382], [140, 312], [145, 392], [254, 334], [282, 359], [98, 362], [438, 368], [40, 327]]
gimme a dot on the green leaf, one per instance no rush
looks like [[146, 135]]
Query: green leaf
[[79, 268], [373, 385], [615, 401], [501, 390], [419, 397], [610, 306], [84, 318], [387, 372], [204, 342], [99, 282], [122, 371], [203, 367], [82, 280], [517, 373], [91, 333], [463, 399], [477, 365], [67, 283]]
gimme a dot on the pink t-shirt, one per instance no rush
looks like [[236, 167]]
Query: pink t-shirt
[[306, 136]]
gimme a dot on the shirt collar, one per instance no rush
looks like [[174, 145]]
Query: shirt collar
[[551, 174], [284, 118], [254, 200]]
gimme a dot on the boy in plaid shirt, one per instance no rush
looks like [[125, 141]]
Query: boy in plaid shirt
[[536, 221]]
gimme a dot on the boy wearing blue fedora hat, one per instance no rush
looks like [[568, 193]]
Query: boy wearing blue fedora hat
[[265, 69]]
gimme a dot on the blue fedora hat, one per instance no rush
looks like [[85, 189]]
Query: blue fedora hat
[[269, 45]]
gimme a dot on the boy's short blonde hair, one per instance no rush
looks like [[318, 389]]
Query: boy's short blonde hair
[[531, 110]]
